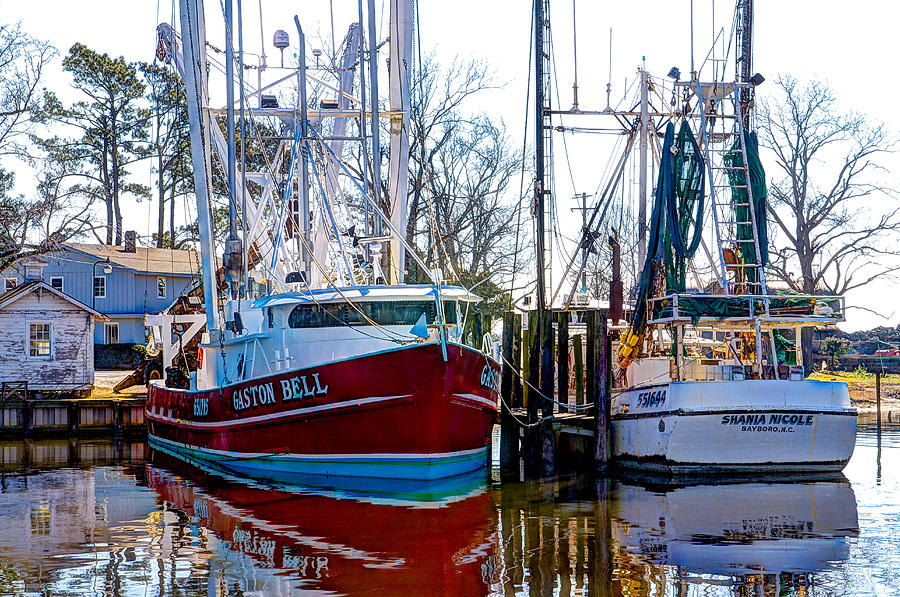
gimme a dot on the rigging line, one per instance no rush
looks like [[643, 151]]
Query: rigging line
[[281, 221], [607, 194], [378, 211], [512, 278], [327, 205]]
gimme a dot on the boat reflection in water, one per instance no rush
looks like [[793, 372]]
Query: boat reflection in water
[[316, 533], [615, 538], [757, 533]]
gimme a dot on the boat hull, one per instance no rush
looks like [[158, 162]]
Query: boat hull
[[743, 427], [403, 414]]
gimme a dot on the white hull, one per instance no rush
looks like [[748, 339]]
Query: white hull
[[752, 426]]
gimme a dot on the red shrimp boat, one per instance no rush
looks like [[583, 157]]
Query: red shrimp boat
[[368, 407], [325, 368]]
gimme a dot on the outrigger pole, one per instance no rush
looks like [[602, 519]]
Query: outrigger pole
[[193, 38]]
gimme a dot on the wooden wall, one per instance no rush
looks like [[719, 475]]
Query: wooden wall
[[71, 365]]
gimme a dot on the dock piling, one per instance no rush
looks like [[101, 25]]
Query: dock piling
[[562, 360], [509, 432]]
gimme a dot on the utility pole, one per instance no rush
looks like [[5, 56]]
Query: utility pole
[[585, 240]]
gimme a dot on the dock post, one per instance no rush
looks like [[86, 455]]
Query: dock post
[[517, 389], [578, 369], [73, 418], [117, 419], [477, 330], [598, 385], [531, 443], [878, 405], [509, 432], [548, 439], [562, 360], [28, 416]]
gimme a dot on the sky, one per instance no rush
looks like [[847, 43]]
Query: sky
[[849, 46]]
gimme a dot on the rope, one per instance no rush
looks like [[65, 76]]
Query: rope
[[539, 393]]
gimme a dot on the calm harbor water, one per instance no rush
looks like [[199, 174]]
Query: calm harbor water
[[100, 518]]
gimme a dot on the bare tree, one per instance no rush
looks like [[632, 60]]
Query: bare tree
[[57, 213], [22, 62], [836, 220]]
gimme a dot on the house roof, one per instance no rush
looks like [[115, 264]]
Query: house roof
[[149, 260], [7, 298]]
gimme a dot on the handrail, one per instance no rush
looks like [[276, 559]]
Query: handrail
[[752, 300]]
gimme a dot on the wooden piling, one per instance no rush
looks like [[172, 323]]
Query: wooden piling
[[598, 385], [562, 360], [518, 400], [578, 369], [878, 405], [28, 416], [548, 438], [531, 440], [477, 330], [509, 431]]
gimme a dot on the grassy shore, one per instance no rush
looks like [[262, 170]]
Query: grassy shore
[[862, 388]]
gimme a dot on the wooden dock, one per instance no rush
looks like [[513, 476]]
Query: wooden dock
[[549, 419], [73, 417]]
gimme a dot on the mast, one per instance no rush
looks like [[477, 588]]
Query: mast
[[745, 59], [642, 170], [233, 251], [373, 88], [194, 39], [401, 25], [541, 57], [303, 207]]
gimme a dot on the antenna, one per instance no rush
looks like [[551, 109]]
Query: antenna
[[609, 77], [281, 41], [575, 52]]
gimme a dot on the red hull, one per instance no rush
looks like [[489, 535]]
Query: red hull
[[407, 402]]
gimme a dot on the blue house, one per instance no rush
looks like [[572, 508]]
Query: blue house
[[122, 282]]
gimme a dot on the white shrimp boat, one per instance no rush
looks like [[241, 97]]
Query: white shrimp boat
[[709, 379]]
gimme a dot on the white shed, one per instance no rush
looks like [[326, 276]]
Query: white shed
[[46, 337]]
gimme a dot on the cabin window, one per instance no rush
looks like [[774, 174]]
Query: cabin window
[[100, 287], [382, 312], [57, 283], [161, 287], [9, 284], [111, 333], [39, 340]]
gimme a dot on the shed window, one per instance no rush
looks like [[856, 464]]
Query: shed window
[[9, 284], [161, 287], [57, 283], [100, 287], [111, 333], [39, 340]]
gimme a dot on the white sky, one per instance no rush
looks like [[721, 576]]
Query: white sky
[[852, 46]]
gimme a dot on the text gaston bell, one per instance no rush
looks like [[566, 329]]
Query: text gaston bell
[[301, 387]]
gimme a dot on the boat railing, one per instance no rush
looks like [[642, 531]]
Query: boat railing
[[794, 309]]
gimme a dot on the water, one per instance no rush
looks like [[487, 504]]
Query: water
[[102, 518]]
